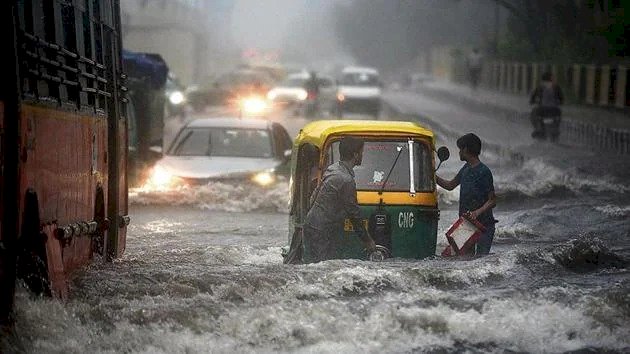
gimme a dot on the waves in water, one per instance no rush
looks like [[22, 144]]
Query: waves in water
[[538, 179], [244, 300], [614, 210]]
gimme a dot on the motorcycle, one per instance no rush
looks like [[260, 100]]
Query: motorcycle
[[546, 123]]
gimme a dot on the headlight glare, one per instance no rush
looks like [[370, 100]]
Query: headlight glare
[[264, 178], [160, 177], [176, 97], [254, 105]]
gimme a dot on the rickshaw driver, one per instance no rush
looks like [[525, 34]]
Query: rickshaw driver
[[332, 201]]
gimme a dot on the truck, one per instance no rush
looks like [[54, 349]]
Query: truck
[[147, 102]]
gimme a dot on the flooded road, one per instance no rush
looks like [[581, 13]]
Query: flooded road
[[203, 273]]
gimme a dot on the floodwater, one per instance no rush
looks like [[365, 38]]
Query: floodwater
[[203, 273]]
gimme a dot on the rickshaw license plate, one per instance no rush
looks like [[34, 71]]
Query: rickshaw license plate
[[548, 120]]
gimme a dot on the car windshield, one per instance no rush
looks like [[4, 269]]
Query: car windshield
[[231, 142], [360, 79], [293, 82], [378, 158]]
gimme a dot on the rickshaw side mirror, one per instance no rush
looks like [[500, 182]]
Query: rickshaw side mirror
[[443, 153]]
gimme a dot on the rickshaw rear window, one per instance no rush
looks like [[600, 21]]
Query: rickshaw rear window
[[378, 158]]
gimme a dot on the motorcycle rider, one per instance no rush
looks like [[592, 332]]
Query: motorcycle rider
[[547, 97], [311, 85]]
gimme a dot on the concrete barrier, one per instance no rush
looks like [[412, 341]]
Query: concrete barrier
[[502, 76], [604, 85], [590, 84], [524, 84], [576, 80], [620, 89]]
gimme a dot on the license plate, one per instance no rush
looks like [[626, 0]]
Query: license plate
[[548, 120]]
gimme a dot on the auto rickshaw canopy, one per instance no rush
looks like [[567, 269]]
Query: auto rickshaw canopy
[[317, 132]]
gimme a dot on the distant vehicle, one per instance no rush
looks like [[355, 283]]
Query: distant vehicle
[[175, 94], [292, 91], [359, 91], [276, 72], [149, 91], [327, 93], [225, 88], [224, 149]]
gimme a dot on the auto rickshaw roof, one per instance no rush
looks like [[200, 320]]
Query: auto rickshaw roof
[[317, 132]]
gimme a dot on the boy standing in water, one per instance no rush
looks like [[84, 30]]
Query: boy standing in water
[[476, 194]]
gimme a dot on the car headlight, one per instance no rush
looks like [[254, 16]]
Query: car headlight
[[271, 95], [176, 97], [264, 178], [160, 177], [302, 95], [254, 105]]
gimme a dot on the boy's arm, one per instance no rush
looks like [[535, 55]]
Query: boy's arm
[[491, 203], [446, 184]]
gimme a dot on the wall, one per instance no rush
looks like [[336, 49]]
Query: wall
[[176, 29]]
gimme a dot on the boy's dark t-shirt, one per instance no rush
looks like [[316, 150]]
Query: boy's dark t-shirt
[[475, 185]]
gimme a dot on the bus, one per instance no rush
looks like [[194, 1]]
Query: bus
[[63, 143]]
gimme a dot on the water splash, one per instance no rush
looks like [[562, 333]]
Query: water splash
[[586, 254], [537, 178], [218, 196], [614, 210]]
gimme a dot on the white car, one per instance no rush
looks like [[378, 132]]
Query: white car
[[224, 149], [291, 90], [359, 91]]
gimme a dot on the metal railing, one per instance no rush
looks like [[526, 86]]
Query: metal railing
[[602, 85]]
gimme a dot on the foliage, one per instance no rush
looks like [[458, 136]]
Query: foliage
[[566, 31], [391, 33]]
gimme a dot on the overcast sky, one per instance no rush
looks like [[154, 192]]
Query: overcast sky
[[264, 24]]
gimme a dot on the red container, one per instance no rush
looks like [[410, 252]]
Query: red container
[[462, 237]]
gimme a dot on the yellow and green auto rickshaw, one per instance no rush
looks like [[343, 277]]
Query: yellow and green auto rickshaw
[[396, 187]]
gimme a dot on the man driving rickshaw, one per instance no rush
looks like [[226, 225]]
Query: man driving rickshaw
[[395, 188]]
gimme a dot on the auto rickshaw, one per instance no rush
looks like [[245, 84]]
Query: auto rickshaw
[[396, 188]]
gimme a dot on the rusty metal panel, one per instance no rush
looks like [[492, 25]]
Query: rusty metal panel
[[63, 161]]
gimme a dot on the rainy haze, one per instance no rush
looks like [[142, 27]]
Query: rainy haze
[[203, 268]]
